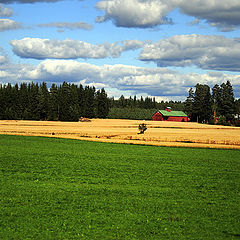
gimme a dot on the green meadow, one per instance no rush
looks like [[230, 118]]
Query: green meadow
[[68, 189]]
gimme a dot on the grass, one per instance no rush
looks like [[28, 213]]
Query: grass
[[69, 189]]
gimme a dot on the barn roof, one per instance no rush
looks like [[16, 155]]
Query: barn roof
[[173, 113]]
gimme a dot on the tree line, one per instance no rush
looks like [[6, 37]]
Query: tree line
[[66, 102], [142, 108], [216, 105], [69, 102], [144, 103]]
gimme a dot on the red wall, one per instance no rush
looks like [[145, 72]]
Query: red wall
[[158, 117], [177, 119]]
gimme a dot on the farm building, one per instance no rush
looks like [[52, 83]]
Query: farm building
[[169, 115]]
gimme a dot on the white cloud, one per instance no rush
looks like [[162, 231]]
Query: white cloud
[[161, 82], [119, 79], [70, 49], [67, 25], [149, 13], [3, 59], [5, 12], [220, 13], [8, 24], [206, 52], [135, 13]]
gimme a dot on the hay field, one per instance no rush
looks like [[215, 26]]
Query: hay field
[[125, 131]]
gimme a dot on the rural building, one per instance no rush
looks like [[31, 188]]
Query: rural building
[[169, 115]]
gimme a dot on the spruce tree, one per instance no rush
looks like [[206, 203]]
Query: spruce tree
[[43, 102], [53, 112], [32, 113], [223, 100], [217, 100], [188, 104], [228, 101], [64, 102], [81, 105], [202, 105], [122, 102], [102, 104], [89, 102], [23, 99], [74, 106]]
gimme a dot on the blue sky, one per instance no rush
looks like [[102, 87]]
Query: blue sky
[[157, 48]]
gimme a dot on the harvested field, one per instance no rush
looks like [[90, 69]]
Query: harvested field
[[126, 131]]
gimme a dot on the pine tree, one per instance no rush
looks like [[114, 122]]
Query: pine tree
[[23, 100], [11, 102], [43, 102], [89, 104], [135, 102], [217, 101], [80, 92], [122, 102], [53, 113], [223, 100], [228, 101], [237, 108], [64, 102], [188, 104], [74, 106], [102, 104], [141, 103], [32, 113], [202, 104]]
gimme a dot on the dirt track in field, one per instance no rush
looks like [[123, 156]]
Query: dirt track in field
[[125, 131]]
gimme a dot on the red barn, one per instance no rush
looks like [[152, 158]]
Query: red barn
[[169, 115]]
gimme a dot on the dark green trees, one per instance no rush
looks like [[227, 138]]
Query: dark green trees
[[202, 106], [102, 104], [224, 102], [188, 104], [67, 102], [237, 108], [147, 103], [43, 102], [53, 103], [89, 102]]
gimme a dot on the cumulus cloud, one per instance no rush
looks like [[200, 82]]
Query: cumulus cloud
[[3, 59], [67, 25], [5, 12], [135, 13], [8, 24], [70, 49], [206, 52], [161, 82], [117, 48], [149, 81], [222, 14]]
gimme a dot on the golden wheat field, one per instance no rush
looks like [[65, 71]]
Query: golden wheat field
[[126, 131]]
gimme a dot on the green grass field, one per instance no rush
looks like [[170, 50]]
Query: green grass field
[[70, 189]]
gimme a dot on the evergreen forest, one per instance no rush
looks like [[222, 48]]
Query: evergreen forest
[[216, 105], [69, 102], [66, 102]]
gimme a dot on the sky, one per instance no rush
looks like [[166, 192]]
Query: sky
[[154, 48]]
